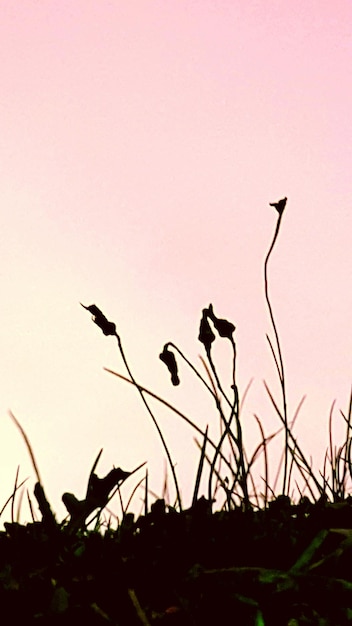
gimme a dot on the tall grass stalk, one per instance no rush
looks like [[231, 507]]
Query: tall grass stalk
[[277, 355]]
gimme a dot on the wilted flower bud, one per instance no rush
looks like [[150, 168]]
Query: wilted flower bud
[[206, 335], [108, 328], [224, 327], [280, 205], [169, 359]]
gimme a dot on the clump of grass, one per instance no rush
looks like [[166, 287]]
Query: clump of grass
[[229, 451], [231, 478]]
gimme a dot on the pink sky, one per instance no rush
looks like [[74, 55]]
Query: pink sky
[[141, 143]]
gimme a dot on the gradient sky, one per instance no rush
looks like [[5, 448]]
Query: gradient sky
[[140, 145]]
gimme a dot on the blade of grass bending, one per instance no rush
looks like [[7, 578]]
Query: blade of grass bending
[[93, 469], [121, 501], [200, 468], [112, 515], [348, 453], [255, 493], [146, 494], [134, 491], [341, 473], [295, 415], [274, 356], [162, 401], [221, 481], [217, 379], [333, 473], [272, 492], [307, 555], [218, 453], [300, 491], [349, 417], [265, 495], [19, 506], [296, 446], [261, 445], [222, 456], [213, 386], [170, 406], [310, 475], [323, 475], [337, 486], [273, 401], [266, 464], [347, 444], [227, 423], [218, 403], [212, 469], [290, 470], [30, 507], [13, 495], [343, 459], [228, 432], [276, 480], [154, 494], [29, 447], [326, 485], [142, 617], [244, 395], [165, 491], [282, 420]]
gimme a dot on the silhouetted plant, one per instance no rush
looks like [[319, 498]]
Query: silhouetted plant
[[280, 206], [259, 557], [109, 328]]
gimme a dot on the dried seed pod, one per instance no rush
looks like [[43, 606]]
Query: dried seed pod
[[108, 328]]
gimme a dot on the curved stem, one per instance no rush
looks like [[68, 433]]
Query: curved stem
[[175, 410], [154, 421], [211, 390], [278, 358]]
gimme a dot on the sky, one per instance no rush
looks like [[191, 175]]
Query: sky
[[140, 146]]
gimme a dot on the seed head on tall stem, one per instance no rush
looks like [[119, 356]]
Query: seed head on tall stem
[[276, 351]]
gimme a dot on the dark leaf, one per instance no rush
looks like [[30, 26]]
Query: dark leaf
[[99, 488], [44, 507], [98, 493], [60, 601]]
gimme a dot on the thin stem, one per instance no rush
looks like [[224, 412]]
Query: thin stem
[[172, 345], [154, 421], [165, 403], [278, 359], [266, 464]]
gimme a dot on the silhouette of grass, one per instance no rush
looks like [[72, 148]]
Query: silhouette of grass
[[260, 556]]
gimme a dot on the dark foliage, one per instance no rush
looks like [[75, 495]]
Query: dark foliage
[[188, 568]]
